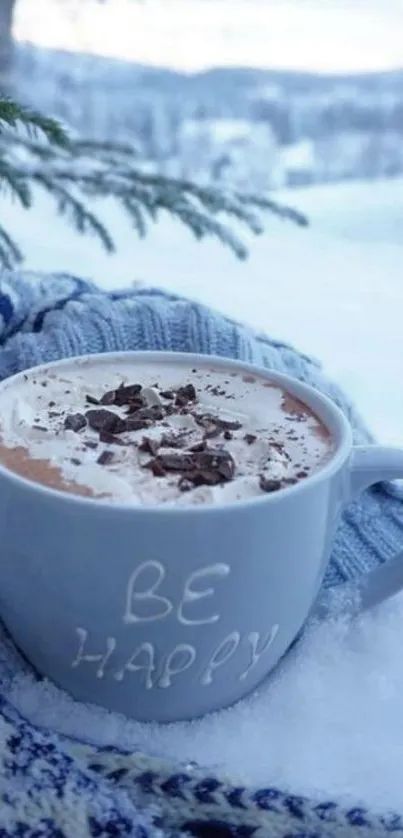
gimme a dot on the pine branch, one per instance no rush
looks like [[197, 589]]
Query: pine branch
[[76, 172], [105, 152], [80, 217], [235, 204], [136, 215], [281, 210], [10, 254], [16, 116], [11, 180]]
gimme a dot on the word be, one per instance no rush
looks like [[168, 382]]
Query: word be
[[145, 602]]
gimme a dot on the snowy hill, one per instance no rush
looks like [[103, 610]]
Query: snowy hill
[[352, 124], [334, 290]]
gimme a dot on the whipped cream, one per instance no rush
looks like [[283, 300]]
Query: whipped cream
[[211, 436]]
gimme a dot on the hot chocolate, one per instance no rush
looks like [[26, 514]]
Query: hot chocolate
[[148, 433]]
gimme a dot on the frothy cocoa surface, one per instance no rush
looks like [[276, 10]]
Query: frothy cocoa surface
[[148, 433]]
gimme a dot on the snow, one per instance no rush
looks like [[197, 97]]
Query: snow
[[329, 721], [249, 151], [299, 157]]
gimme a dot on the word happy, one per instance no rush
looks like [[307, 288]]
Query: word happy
[[145, 603]]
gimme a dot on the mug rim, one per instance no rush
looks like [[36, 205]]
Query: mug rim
[[322, 405]]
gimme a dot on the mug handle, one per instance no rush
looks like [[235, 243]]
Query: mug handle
[[373, 464], [369, 464]]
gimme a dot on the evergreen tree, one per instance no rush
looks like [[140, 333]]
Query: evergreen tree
[[37, 153]]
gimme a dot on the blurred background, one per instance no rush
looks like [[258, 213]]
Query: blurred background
[[300, 97], [259, 94]]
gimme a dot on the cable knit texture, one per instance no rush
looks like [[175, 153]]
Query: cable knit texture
[[50, 786]]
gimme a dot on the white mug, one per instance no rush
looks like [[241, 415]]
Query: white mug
[[168, 613]]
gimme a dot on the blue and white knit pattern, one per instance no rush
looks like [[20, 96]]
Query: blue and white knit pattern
[[50, 787]]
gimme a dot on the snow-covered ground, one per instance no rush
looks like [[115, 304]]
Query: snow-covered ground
[[335, 290]]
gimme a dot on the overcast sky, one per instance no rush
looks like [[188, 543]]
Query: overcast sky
[[322, 35]]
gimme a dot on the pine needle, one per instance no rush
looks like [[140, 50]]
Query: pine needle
[[17, 116], [35, 151]]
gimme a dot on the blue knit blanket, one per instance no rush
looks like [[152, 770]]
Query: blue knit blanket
[[51, 787]]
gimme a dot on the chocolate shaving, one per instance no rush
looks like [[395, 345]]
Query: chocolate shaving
[[126, 393], [289, 481], [211, 433], [136, 404], [228, 435], [154, 413], [75, 461], [90, 443], [226, 469], [157, 468], [206, 478], [176, 462], [40, 428], [218, 460], [185, 394], [75, 422], [268, 485], [135, 423], [210, 428], [167, 394], [108, 398], [279, 447], [91, 399], [173, 441], [198, 468], [105, 420], [229, 425], [250, 439], [105, 458], [150, 446], [121, 396], [110, 439], [206, 420], [185, 485], [199, 446]]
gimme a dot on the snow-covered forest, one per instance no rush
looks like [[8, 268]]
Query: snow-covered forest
[[257, 129]]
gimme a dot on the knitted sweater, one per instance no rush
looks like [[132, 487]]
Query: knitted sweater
[[50, 786]]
